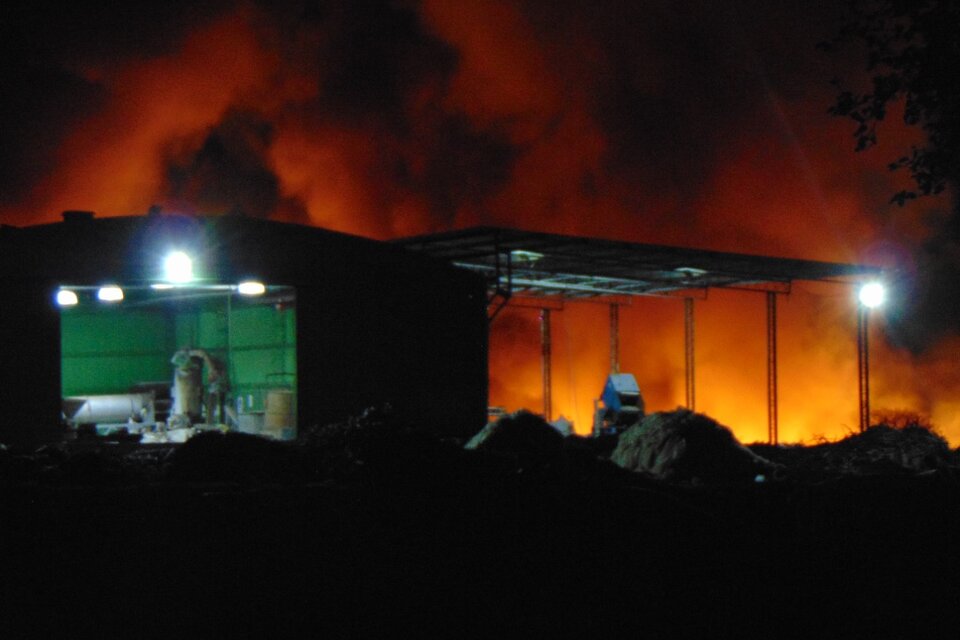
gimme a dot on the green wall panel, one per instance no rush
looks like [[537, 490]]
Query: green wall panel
[[112, 331], [255, 326], [106, 351]]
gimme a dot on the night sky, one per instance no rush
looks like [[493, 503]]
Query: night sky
[[699, 124]]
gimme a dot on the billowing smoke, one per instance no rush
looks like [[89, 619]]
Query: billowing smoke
[[692, 123], [224, 170]]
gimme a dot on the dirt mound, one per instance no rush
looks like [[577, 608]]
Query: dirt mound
[[523, 435], [878, 450], [230, 457], [687, 447]]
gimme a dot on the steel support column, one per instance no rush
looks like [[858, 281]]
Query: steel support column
[[504, 293], [614, 338], [545, 357], [688, 352], [772, 428], [863, 366]]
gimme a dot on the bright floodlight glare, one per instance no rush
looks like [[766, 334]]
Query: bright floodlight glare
[[872, 295], [251, 288], [67, 298], [178, 267], [110, 293]]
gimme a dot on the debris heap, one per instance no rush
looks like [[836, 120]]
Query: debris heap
[[684, 446]]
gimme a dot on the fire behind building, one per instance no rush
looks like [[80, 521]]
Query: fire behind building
[[160, 325]]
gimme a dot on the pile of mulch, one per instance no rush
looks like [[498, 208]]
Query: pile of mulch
[[231, 457], [84, 464], [523, 436], [374, 443], [374, 524], [378, 446], [683, 446], [677, 447], [880, 450], [525, 443]]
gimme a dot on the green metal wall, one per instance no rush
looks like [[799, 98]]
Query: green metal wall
[[108, 348]]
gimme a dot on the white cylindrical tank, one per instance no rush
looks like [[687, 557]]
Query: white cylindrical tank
[[109, 409]]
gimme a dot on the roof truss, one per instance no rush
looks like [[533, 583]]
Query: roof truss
[[569, 267]]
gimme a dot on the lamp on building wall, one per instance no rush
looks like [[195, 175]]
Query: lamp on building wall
[[110, 293], [251, 288], [67, 298]]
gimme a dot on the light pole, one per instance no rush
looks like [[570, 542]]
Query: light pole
[[871, 296]]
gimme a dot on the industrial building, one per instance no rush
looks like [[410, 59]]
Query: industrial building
[[153, 325], [157, 326]]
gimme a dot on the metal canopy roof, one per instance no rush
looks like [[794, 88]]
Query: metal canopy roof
[[542, 264]]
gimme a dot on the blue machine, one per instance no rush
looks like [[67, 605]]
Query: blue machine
[[620, 405]]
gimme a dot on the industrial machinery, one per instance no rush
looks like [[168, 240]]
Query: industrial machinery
[[108, 413], [187, 390], [191, 406], [619, 407]]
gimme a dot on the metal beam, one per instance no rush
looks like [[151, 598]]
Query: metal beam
[[537, 302], [863, 366], [772, 427], [688, 352], [573, 285], [614, 338]]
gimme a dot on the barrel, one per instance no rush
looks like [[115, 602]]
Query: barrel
[[279, 409]]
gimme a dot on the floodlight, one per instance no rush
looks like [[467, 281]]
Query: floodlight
[[522, 255], [110, 293], [251, 288], [178, 267], [67, 298], [872, 295]]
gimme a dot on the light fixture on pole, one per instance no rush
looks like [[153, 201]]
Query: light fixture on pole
[[870, 296]]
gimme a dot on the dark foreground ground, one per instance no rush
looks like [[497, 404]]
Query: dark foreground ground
[[385, 532]]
